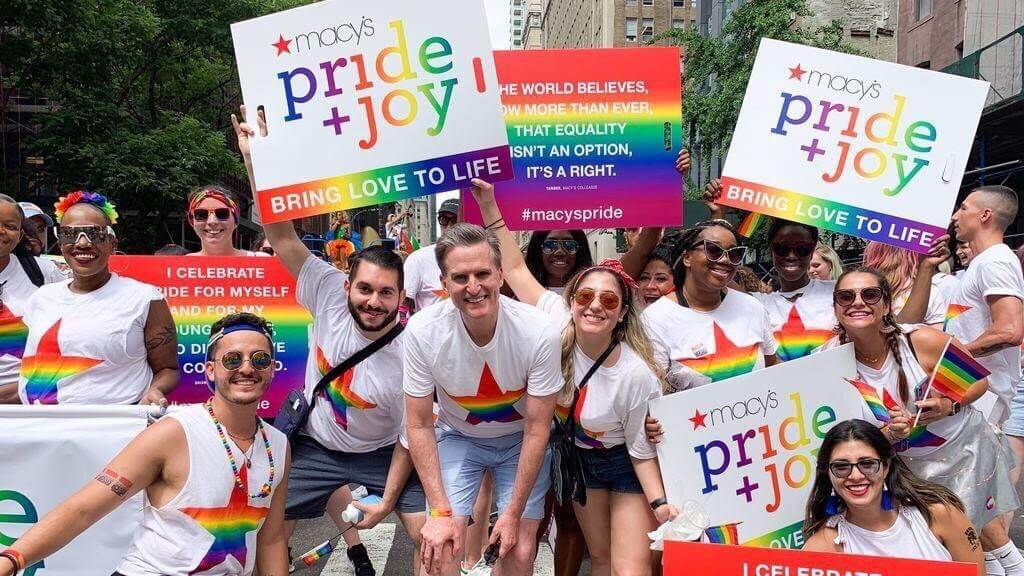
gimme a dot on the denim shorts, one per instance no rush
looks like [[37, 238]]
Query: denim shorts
[[610, 469], [1014, 425], [464, 460], [318, 471]]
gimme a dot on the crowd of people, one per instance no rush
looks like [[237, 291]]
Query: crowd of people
[[518, 385]]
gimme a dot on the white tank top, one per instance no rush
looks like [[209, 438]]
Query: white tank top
[[908, 537], [210, 527]]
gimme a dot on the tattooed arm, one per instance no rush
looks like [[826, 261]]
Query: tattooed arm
[[161, 353], [135, 468], [955, 532]]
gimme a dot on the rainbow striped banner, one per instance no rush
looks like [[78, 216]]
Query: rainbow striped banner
[[956, 371], [314, 555], [750, 224], [594, 136], [202, 289], [724, 534]]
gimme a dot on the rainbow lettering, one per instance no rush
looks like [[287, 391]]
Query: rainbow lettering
[[796, 340], [727, 361], [490, 404], [44, 370], [725, 534], [339, 391]]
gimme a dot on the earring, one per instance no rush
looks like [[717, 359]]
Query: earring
[[886, 498], [832, 504]]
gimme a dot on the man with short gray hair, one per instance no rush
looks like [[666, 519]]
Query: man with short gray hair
[[495, 366]]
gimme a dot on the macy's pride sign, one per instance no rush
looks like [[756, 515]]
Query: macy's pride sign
[[202, 289], [594, 137], [851, 144], [745, 448], [370, 102]]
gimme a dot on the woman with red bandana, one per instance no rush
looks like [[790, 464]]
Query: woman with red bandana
[[213, 215], [97, 338]]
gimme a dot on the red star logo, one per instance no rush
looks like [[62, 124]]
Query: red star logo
[[698, 420], [797, 72], [282, 45], [43, 370]]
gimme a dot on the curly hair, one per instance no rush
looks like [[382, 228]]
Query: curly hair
[[688, 239]]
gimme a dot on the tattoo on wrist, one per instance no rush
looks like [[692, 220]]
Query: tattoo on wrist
[[972, 538], [118, 484]]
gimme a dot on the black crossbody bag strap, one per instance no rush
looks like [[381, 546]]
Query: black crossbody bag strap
[[354, 359], [569, 424]]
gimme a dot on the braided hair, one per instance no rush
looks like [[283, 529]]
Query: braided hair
[[890, 329], [688, 240]]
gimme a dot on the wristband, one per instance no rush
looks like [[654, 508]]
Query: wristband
[[15, 557], [658, 503], [440, 513]]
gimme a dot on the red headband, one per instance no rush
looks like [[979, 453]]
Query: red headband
[[615, 267]]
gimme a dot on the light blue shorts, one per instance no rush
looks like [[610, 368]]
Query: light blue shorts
[[464, 460], [1014, 425]]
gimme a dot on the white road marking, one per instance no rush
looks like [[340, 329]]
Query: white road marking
[[378, 545]]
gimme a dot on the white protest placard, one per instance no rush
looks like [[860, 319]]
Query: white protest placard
[[850, 144], [370, 102], [746, 447]]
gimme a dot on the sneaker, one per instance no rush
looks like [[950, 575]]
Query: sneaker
[[361, 561], [291, 561]]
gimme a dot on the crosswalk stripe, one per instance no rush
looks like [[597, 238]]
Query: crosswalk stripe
[[378, 544]]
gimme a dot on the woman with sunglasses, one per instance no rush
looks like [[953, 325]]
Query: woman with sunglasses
[[866, 501], [706, 331], [555, 256], [902, 268], [953, 445], [97, 338], [600, 312], [213, 214]]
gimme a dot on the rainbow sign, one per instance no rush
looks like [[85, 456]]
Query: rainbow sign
[[202, 289], [748, 452], [851, 144], [370, 102], [594, 137]]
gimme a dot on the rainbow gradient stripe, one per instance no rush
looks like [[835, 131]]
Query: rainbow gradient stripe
[[583, 435], [750, 224], [794, 206], [335, 194], [772, 539], [796, 340], [870, 396], [956, 372], [728, 359], [952, 312], [919, 437], [490, 404], [228, 525], [724, 534], [311, 557], [339, 391], [13, 334], [44, 370]]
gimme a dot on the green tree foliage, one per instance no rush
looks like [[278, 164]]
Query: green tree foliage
[[142, 92]]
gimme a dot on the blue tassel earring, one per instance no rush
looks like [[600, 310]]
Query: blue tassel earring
[[886, 498], [832, 504]]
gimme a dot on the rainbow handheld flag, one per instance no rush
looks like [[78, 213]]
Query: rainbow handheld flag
[[724, 534], [956, 372], [953, 311], [750, 224], [870, 396], [311, 557]]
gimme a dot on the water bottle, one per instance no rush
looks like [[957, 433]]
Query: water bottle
[[353, 515]]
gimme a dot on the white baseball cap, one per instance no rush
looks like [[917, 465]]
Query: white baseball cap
[[32, 210]]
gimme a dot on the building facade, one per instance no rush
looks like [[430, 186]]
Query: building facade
[[526, 31], [612, 23]]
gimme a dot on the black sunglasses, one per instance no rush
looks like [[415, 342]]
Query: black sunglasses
[[867, 467], [202, 214], [847, 296], [550, 246], [715, 252], [260, 360], [802, 250]]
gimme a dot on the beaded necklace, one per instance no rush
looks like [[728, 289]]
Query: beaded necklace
[[265, 490]]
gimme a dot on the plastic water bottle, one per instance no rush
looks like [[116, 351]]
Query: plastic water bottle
[[353, 515]]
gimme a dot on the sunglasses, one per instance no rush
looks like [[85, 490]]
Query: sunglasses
[[608, 300], [715, 252], [267, 250], [202, 214], [846, 296], [781, 250], [93, 234], [550, 246], [259, 360], [867, 467]]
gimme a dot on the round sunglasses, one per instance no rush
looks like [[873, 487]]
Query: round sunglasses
[[847, 296], [260, 360], [867, 467], [608, 300], [550, 246]]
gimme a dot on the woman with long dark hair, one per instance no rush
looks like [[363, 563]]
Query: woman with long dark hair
[[952, 445], [866, 501], [555, 256]]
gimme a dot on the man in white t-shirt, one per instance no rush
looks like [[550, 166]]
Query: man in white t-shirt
[[987, 312], [494, 365], [422, 275]]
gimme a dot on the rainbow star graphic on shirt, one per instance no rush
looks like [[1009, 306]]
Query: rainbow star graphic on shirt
[[727, 361], [48, 366], [13, 333], [582, 434], [339, 391], [490, 404], [919, 437], [228, 525], [796, 340]]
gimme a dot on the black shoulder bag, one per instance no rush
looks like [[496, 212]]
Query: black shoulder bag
[[566, 465], [295, 411]]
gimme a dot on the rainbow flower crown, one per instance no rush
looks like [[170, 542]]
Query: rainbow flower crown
[[85, 197]]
